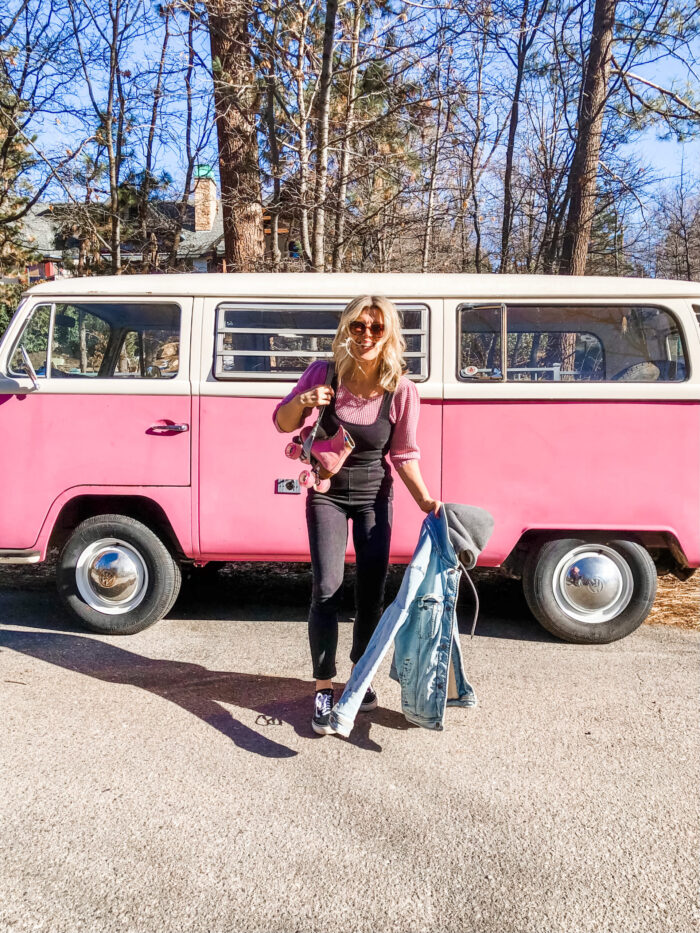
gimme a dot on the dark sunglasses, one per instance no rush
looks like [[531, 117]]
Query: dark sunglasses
[[357, 328]]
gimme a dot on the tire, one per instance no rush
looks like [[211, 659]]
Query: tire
[[608, 604], [150, 576]]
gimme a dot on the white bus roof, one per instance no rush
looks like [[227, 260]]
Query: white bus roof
[[399, 285]]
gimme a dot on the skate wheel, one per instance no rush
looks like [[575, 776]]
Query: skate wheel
[[323, 485], [293, 451], [307, 479]]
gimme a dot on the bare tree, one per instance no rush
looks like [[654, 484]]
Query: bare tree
[[324, 99], [677, 225], [147, 179], [236, 101], [37, 69], [526, 34], [584, 165], [269, 70], [102, 32], [345, 145]]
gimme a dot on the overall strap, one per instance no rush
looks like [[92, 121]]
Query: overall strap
[[327, 417], [386, 405]]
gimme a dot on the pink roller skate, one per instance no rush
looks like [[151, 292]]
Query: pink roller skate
[[325, 454], [307, 479]]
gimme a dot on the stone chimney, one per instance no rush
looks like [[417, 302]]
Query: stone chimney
[[204, 198]]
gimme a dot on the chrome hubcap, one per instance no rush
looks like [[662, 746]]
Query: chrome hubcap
[[111, 576], [593, 583]]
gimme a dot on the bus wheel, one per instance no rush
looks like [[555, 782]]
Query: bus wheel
[[116, 575], [590, 592]]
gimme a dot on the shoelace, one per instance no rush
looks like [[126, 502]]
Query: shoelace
[[324, 703]]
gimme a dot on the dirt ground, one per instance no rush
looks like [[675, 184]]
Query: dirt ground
[[677, 603]]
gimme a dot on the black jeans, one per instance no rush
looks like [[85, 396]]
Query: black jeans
[[363, 494]]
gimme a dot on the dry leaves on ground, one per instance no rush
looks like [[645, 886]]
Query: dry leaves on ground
[[677, 603]]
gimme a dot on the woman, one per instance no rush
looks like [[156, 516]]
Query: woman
[[378, 406]]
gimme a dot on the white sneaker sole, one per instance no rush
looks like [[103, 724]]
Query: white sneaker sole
[[366, 707], [321, 730]]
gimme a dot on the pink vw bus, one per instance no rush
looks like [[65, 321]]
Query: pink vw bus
[[137, 436]]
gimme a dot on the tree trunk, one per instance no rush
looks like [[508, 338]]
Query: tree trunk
[[274, 207], [82, 341], [189, 172], [338, 249], [427, 236], [244, 244], [303, 110], [525, 41], [510, 146], [112, 155], [584, 166], [324, 101], [146, 185]]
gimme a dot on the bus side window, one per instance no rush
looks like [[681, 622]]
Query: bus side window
[[278, 340], [572, 343]]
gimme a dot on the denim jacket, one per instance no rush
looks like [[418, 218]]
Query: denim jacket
[[421, 622]]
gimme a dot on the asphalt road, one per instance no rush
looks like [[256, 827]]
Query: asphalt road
[[170, 781]]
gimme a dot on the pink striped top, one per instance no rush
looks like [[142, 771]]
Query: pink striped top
[[403, 412]]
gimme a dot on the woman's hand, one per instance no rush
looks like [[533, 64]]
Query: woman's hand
[[318, 396], [292, 415], [430, 505]]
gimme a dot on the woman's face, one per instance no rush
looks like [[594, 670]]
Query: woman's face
[[366, 347]]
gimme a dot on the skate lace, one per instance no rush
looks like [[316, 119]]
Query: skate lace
[[324, 703]]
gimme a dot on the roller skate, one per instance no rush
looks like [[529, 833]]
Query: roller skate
[[325, 455]]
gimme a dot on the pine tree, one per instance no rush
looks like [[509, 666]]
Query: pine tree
[[15, 162]]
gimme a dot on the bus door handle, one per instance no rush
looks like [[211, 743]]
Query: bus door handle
[[161, 427]]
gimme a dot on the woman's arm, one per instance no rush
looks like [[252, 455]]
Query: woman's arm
[[405, 452], [297, 406], [410, 473]]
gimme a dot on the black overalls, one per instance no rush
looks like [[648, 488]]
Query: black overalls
[[362, 491]]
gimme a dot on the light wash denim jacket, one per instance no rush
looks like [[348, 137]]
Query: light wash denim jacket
[[421, 622]]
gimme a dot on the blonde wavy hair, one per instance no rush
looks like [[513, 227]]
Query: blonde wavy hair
[[391, 344]]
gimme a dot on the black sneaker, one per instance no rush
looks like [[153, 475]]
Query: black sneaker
[[370, 700], [323, 704]]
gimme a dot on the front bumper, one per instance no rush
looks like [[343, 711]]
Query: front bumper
[[19, 557]]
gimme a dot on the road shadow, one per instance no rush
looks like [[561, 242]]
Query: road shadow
[[503, 613], [198, 690], [279, 592], [234, 594]]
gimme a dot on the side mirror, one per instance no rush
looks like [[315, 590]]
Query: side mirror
[[10, 385]]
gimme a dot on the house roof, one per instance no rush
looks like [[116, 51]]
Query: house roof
[[42, 224], [39, 231]]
